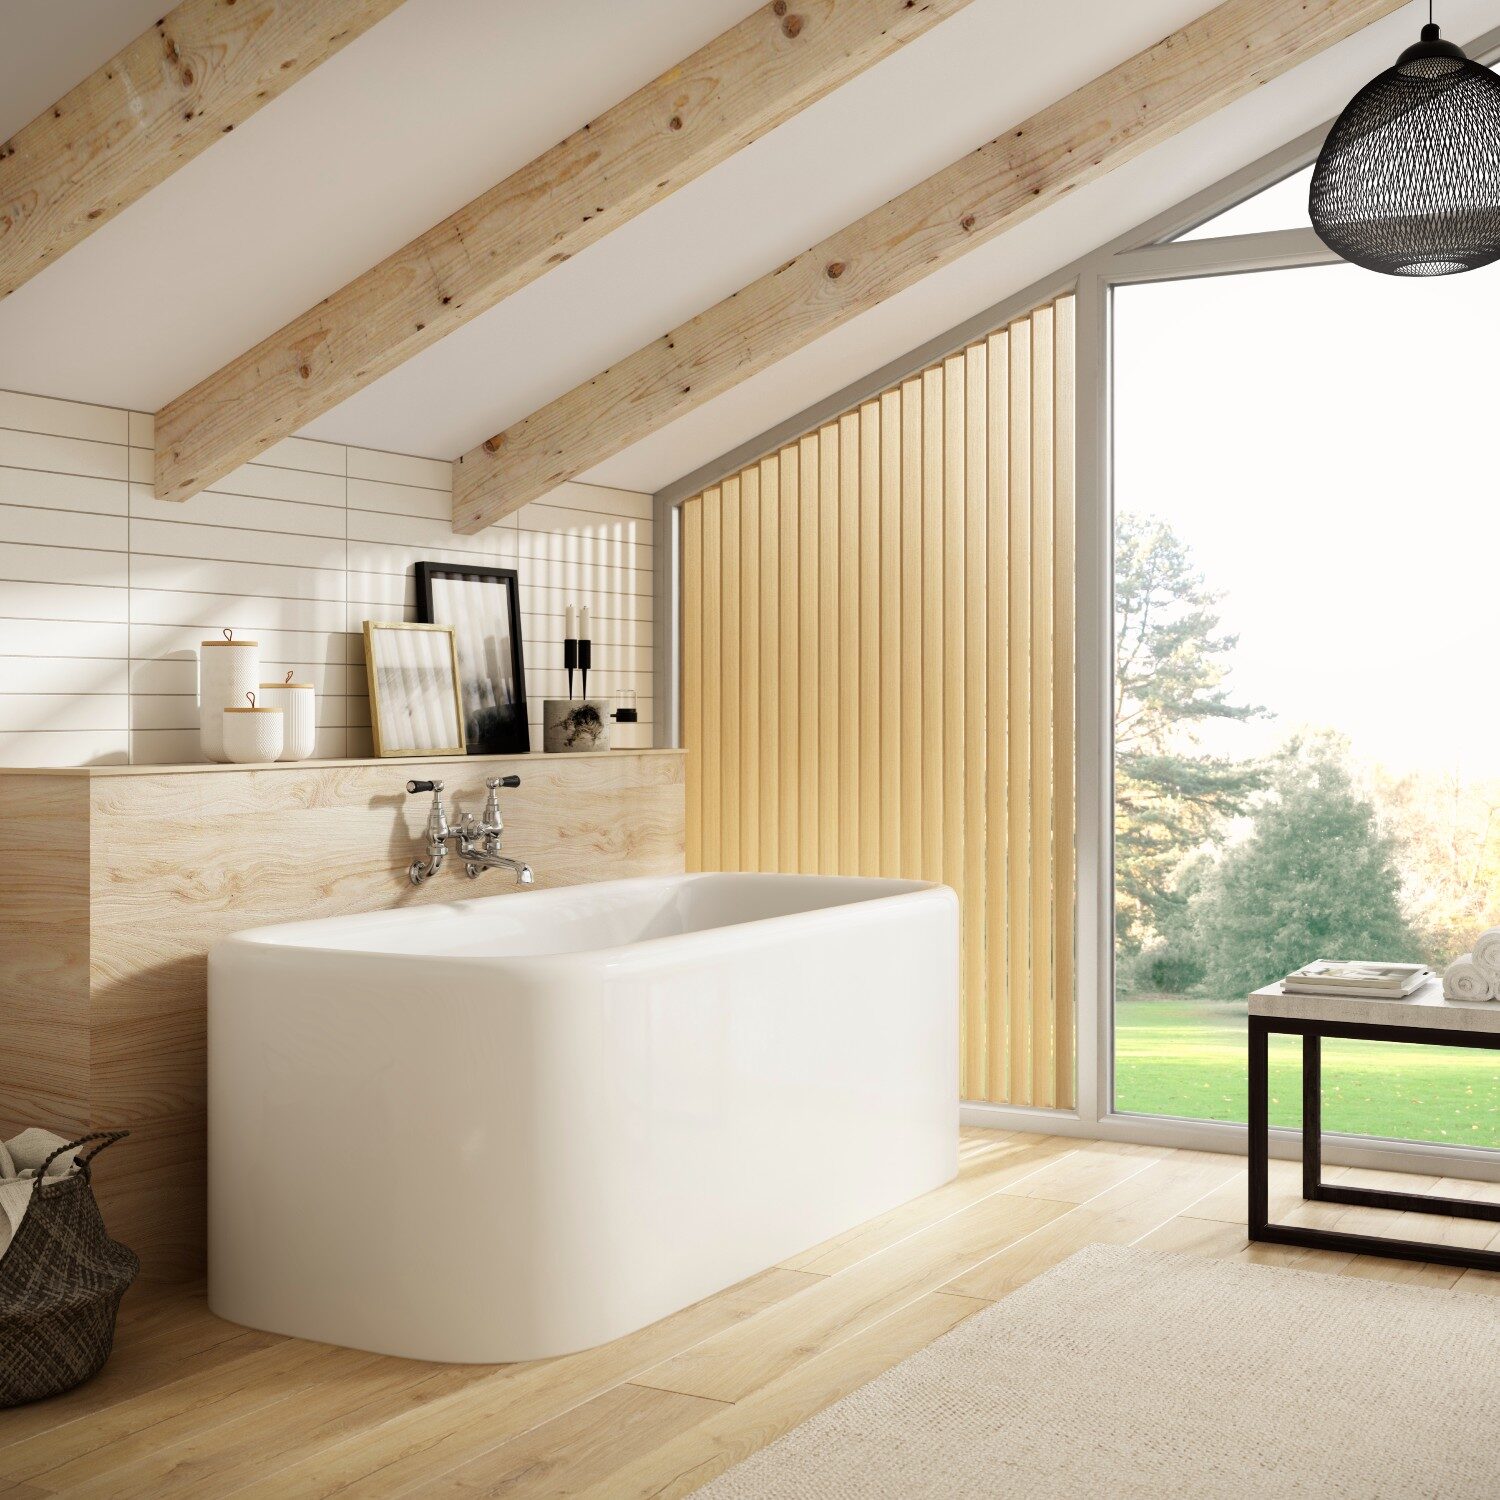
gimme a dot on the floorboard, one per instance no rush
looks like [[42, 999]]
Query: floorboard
[[193, 1406], [733, 1365], [738, 1430], [1007, 1163]]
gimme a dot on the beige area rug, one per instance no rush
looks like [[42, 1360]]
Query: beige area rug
[[1135, 1373]]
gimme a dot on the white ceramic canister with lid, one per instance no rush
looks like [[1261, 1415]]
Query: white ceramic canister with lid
[[227, 670], [298, 702], [252, 734]]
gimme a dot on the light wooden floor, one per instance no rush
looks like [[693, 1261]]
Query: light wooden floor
[[192, 1406]]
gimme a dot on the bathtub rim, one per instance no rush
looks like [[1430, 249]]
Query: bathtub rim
[[264, 942]]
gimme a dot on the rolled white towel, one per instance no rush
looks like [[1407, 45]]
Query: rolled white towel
[[1464, 980], [1487, 956]]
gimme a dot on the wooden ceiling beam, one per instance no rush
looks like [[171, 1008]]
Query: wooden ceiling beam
[[1180, 80], [781, 58], [200, 71]]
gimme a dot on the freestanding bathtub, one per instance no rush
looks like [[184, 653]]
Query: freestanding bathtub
[[519, 1126]]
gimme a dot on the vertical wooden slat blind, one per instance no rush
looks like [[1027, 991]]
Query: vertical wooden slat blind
[[878, 656]]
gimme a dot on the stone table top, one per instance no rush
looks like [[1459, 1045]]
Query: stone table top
[[1424, 1008]]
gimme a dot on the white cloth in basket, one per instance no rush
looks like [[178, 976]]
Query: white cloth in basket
[[23, 1154]]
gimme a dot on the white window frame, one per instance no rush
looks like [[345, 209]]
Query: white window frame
[[1151, 252]]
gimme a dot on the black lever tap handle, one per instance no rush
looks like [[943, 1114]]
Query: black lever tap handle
[[510, 781], [424, 786]]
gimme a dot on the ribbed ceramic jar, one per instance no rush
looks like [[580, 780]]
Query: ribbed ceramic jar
[[227, 670], [298, 702], [253, 735]]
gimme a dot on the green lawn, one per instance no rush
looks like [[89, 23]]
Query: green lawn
[[1178, 1056]]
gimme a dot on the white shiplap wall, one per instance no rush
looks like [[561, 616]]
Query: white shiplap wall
[[105, 592]]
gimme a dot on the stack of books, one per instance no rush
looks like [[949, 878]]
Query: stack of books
[[1340, 977]]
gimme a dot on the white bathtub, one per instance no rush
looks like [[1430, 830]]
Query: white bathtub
[[519, 1126]]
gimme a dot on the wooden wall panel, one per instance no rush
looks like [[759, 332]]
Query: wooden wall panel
[[906, 707], [44, 953], [103, 948]]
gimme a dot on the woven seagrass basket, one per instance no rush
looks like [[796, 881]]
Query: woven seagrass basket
[[61, 1280]]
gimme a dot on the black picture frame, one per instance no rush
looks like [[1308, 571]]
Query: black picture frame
[[495, 722]]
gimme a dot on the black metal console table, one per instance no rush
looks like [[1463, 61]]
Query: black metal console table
[[1424, 1017]]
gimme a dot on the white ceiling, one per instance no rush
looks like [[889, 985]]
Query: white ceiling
[[46, 48], [447, 96]]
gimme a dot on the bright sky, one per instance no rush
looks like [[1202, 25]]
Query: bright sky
[[1322, 439]]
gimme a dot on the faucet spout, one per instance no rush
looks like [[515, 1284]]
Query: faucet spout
[[477, 861]]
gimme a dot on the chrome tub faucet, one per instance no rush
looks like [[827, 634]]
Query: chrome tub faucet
[[475, 841]]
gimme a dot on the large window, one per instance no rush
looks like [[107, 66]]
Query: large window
[[1283, 205], [1307, 715]]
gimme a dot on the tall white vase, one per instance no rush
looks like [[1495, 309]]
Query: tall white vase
[[298, 702], [227, 670]]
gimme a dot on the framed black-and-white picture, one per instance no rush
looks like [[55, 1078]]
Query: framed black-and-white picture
[[483, 605], [412, 671]]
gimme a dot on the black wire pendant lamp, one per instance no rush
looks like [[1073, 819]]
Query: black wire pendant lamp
[[1408, 181]]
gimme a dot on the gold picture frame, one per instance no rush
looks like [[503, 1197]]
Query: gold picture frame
[[416, 704]]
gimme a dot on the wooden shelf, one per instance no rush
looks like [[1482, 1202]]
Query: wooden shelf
[[412, 763]]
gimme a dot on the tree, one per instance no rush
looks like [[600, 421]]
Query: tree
[[1171, 662], [1316, 878], [1448, 829]]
